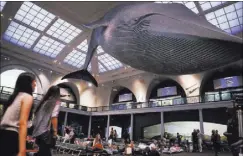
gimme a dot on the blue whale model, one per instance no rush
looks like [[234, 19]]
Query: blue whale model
[[161, 39]]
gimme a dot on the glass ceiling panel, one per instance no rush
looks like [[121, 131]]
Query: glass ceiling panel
[[228, 18], [48, 47], [75, 58], [99, 50], [2, 4], [101, 68], [83, 46], [63, 31], [110, 62], [205, 5], [33, 15], [188, 4], [20, 35]]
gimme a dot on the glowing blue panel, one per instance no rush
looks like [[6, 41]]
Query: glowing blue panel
[[48, 47], [63, 31], [228, 18], [101, 68], [20, 35], [83, 46], [75, 58], [99, 50], [2, 4], [110, 62], [34, 16]]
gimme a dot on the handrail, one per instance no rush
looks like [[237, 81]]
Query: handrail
[[225, 96]]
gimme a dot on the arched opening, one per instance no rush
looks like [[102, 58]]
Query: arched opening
[[165, 92], [219, 84], [71, 99], [121, 98]]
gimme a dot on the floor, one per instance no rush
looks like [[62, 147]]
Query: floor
[[181, 154]]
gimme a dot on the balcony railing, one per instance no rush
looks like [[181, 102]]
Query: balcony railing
[[225, 96]]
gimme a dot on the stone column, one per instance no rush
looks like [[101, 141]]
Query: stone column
[[65, 122], [89, 130], [107, 127], [131, 124], [201, 121], [162, 124]]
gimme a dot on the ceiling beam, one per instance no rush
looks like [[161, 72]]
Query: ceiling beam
[[73, 45], [200, 10], [44, 32]]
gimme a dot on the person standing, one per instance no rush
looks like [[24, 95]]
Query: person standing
[[179, 139], [200, 138], [215, 140], [194, 140], [115, 135], [13, 126], [46, 115], [111, 134], [232, 133]]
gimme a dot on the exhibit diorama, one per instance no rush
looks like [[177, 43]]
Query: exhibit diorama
[[150, 70]]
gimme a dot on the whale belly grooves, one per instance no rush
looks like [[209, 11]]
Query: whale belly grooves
[[170, 53]]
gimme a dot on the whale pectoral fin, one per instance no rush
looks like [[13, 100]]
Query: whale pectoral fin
[[99, 23], [83, 75]]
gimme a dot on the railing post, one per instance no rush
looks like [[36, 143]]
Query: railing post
[[131, 124], [107, 127], [162, 124], [89, 130]]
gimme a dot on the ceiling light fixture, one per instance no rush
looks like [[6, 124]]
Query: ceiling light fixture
[[89, 84], [10, 19]]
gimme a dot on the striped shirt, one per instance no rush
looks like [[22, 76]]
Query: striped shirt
[[42, 120]]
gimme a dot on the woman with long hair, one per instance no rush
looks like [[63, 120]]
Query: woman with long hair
[[46, 114], [13, 127]]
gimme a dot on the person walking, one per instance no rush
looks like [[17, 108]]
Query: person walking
[[46, 115]]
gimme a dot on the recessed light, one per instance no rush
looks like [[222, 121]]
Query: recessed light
[[89, 84], [51, 71], [10, 19], [114, 89], [1, 15]]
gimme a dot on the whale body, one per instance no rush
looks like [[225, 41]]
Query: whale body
[[160, 38]]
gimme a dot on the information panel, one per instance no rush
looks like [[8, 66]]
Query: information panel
[[125, 97], [167, 91], [228, 82]]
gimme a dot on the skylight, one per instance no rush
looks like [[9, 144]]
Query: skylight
[[208, 5], [2, 4], [48, 47], [228, 18], [99, 50], [34, 16], [63, 31], [83, 46], [110, 62], [190, 5], [75, 58], [101, 68], [20, 35]]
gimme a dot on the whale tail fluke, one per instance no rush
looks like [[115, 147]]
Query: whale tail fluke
[[83, 75]]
